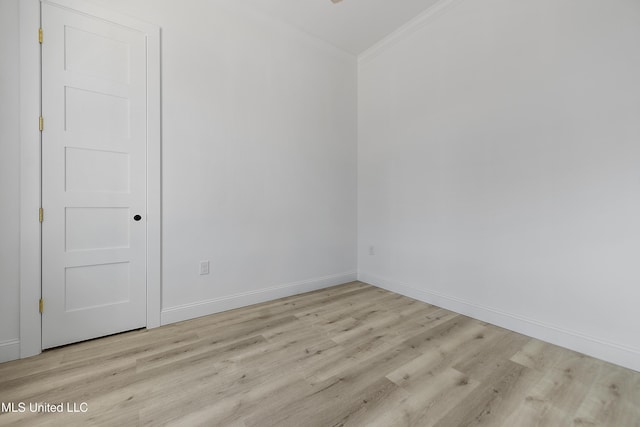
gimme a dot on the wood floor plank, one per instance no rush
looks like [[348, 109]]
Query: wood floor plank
[[350, 355], [538, 355], [444, 327], [484, 405], [556, 397], [339, 394], [494, 353], [425, 406], [461, 345], [610, 400]]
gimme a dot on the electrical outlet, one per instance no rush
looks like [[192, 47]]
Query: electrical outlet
[[204, 268], [372, 250]]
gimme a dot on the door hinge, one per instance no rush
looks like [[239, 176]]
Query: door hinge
[[41, 215], [41, 306], [41, 123], [40, 37]]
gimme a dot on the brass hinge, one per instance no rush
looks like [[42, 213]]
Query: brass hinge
[[41, 214], [41, 123], [41, 306], [40, 38]]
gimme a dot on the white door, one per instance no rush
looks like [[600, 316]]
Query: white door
[[94, 144]]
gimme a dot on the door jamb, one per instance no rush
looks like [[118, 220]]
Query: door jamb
[[30, 257], [30, 170]]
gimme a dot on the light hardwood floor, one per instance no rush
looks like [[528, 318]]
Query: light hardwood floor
[[352, 355]]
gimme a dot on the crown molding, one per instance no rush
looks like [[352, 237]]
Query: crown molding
[[406, 30], [282, 26]]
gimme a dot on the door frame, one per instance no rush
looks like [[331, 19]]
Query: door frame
[[31, 171]]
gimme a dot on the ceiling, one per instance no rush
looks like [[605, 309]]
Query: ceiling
[[351, 25]]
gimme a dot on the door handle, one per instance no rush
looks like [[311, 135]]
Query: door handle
[[137, 218]]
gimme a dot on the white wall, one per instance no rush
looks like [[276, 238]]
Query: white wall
[[9, 180], [259, 154], [499, 168], [259, 159]]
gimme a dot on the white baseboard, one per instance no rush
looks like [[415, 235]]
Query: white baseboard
[[596, 347], [217, 305], [9, 350]]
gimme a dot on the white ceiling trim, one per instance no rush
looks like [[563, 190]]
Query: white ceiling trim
[[406, 30], [351, 25], [261, 17]]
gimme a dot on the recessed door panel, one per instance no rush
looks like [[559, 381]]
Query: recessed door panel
[[97, 228], [94, 286], [91, 170], [97, 55], [88, 111]]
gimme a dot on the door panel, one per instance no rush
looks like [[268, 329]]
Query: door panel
[[85, 228], [80, 55], [89, 170], [88, 112], [94, 286], [94, 145]]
